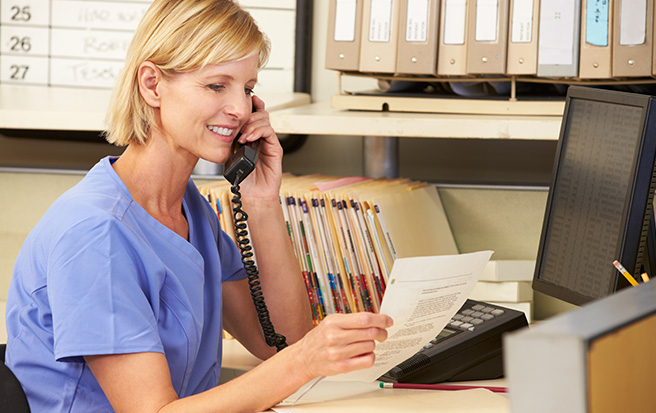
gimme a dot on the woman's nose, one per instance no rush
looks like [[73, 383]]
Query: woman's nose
[[239, 106]]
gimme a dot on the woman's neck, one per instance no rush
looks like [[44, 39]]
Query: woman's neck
[[157, 182]]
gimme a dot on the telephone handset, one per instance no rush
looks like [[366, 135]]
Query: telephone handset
[[236, 169], [241, 163], [243, 160]]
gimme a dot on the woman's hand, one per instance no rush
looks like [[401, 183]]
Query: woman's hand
[[341, 343], [264, 181]]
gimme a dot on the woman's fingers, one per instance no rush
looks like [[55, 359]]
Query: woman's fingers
[[344, 342], [258, 104]]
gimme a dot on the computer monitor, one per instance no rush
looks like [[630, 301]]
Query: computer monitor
[[600, 200]]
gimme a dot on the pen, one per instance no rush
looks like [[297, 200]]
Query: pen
[[439, 387], [625, 273]]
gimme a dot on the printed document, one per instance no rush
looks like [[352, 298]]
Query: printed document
[[422, 295]]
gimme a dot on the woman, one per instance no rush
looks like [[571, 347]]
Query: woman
[[121, 291]]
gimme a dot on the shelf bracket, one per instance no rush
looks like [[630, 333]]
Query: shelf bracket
[[381, 156]]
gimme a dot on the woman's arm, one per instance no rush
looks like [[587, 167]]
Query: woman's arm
[[140, 382], [282, 284]]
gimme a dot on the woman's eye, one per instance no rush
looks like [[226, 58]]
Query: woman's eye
[[216, 88], [248, 91]]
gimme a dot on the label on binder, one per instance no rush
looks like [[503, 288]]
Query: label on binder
[[556, 32], [633, 22], [380, 22], [345, 11], [416, 26], [522, 21], [596, 23], [487, 12], [455, 19]]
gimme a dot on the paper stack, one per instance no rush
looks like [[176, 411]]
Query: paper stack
[[507, 283], [347, 232]]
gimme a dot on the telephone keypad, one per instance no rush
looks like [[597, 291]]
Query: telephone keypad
[[469, 318]]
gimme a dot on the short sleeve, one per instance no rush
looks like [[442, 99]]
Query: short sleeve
[[100, 300], [232, 267]]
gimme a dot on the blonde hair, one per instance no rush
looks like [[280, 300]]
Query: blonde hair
[[178, 36]]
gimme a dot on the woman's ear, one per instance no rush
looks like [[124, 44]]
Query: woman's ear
[[150, 78]]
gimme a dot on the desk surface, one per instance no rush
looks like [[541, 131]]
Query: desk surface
[[343, 397], [347, 397]]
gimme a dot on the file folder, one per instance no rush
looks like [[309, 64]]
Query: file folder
[[558, 45], [380, 34], [418, 31], [523, 37], [452, 49], [346, 233], [633, 26], [407, 231], [486, 50], [344, 35], [596, 45]]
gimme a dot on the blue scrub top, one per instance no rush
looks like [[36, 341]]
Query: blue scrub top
[[99, 275]]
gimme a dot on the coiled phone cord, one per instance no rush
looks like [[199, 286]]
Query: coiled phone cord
[[272, 338]]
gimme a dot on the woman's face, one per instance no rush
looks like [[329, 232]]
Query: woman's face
[[202, 111]]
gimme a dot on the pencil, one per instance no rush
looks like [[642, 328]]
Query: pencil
[[645, 277], [439, 387], [625, 273]]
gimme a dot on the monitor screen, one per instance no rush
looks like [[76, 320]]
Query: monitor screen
[[601, 194]]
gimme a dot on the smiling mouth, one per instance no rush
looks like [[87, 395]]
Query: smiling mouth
[[221, 131]]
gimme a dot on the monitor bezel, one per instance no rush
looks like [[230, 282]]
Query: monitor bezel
[[634, 234]]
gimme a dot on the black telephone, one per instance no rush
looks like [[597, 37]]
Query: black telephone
[[468, 348], [236, 169], [241, 163]]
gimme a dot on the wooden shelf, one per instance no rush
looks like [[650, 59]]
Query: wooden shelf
[[52, 108], [28, 107], [80, 109], [322, 119], [391, 103]]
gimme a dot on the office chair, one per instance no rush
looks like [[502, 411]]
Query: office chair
[[12, 396]]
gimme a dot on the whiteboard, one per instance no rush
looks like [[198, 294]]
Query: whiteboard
[[82, 43]]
